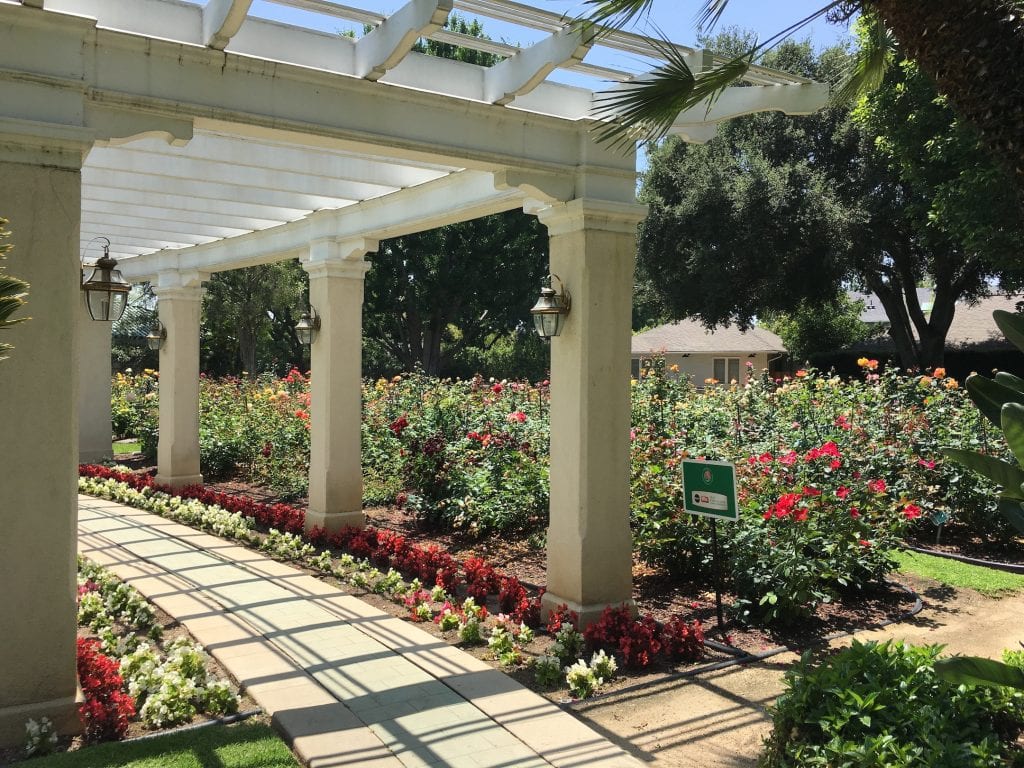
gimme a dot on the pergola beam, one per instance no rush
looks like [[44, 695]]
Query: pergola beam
[[528, 68], [459, 197], [384, 47], [222, 20]]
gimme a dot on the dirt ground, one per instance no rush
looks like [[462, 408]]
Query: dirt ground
[[719, 719]]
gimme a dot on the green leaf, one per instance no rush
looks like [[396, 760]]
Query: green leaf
[[1013, 511], [973, 670], [1011, 381], [871, 60], [1012, 326], [996, 470], [1012, 422], [990, 397]]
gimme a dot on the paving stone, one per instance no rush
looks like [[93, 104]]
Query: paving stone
[[349, 685]]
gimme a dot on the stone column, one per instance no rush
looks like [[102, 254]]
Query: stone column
[[592, 250], [94, 427], [336, 271], [41, 198], [179, 305]]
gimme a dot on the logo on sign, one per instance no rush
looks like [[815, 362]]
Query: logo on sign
[[710, 500], [707, 476]]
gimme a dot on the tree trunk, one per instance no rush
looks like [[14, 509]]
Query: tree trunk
[[974, 50]]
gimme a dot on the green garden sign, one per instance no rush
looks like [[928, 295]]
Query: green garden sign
[[709, 489]]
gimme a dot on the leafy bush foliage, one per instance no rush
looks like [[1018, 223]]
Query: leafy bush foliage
[[882, 705]]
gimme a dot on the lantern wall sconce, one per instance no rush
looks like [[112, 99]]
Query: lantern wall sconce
[[308, 327], [106, 291], [551, 309], [157, 336]]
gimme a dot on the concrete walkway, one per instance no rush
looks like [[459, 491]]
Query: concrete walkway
[[346, 684]]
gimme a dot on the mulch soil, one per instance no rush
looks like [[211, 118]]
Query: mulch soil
[[654, 591]]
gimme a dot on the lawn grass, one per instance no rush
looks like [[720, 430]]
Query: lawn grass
[[987, 581], [245, 745], [122, 448]]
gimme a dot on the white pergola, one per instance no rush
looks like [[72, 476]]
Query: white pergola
[[198, 138]]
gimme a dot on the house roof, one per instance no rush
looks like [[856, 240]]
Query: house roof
[[689, 336], [974, 326], [874, 312]]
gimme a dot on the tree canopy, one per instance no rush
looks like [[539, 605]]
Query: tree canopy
[[972, 50], [434, 295], [779, 214]]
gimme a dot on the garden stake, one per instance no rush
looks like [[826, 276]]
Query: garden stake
[[718, 576]]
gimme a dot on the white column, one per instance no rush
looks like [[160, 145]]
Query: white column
[[336, 271], [41, 198], [592, 250], [179, 305], [94, 427]]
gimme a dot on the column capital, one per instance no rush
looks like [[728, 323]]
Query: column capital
[[586, 213], [182, 285], [337, 257], [36, 143]]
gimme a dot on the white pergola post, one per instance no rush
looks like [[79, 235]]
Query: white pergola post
[[41, 198], [336, 272], [94, 427], [179, 305], [592, 250]]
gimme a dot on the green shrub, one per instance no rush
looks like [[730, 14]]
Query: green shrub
[[874, 705]]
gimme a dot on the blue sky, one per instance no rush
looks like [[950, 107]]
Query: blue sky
[[676, 19]]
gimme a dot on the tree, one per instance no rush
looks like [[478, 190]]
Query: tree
[[249, 319], [777, 214], [441, 300], [432, 295], [816, 329], [972, 50], [12, 292]]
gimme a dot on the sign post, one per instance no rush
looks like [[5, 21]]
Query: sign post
[[709, 489]]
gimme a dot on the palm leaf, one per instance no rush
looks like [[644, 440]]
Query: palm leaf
[[645, 109], [710, 13], [973, 670], [1012, 326], [1012, 422], [12, 293], [615, 14], [875, 53], [998, 471], [1013, 510], [990, 396], [1011, 381]]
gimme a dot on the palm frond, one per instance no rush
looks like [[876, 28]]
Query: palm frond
[[615, 14], [710, 13], [874, 54], [644, 110]]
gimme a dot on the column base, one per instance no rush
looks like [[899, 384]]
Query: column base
[[178, 481], [95, 456], [588, 614], [334, 521], [63, 713]]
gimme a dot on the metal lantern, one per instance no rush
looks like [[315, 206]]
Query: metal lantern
[[156, 336], [308, 327], [106, 291], [550, 310]]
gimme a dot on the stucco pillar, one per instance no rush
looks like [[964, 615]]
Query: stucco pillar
[[336, 271], [41, 198], [94, 427], [179, 306], [592, 250]]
